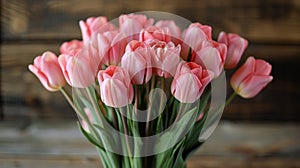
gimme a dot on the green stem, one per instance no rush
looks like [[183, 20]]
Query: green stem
[[95, 105], [78, 112], [232, 96], [126, 138], [70, 101], [83, 116]]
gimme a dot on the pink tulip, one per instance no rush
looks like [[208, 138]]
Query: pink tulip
[[193, 38], [94, 25], [115, 87], [190, 81], [236, 46], [170, 27], [47, 69], [137, 61], [79, 70], [212, 56], [153, 32], [132, 24], [251, 77], [110, 46], [71, 48], [165, 58]]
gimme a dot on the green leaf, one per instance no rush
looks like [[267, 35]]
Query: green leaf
[[137, 162], [174, 152], [179, 162], [92, 110], [90, 137], [162, 157], [185, 122]]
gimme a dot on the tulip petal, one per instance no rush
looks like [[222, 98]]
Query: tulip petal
[[253, 85], [243, 72]]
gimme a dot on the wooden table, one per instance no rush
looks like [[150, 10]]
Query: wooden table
[[57, 143]]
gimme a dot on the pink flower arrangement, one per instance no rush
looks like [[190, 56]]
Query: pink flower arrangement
[[117, 72]]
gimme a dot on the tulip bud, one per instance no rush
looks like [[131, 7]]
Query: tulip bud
[[236, 46], [71, 48], [132, 24], [137, 61], [110, 46], [47, 69], [153, 32], [170, 27], [251, 77], [94, 25], [212, 56], [165, 57], [193, 37], [79, 70], [190, 81], [115, 87]]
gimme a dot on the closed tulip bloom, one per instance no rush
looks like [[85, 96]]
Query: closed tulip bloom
[[190, 81], [236, 46], [110, 46], [137, 61], [193, 37], [251, 77], [71, 47], [170, 27], [132, 24], [94, 25], [153, 32], [165, 57], [115, 87], [79, 70], [212, 56], [47, 69]]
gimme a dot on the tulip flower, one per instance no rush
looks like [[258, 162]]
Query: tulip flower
[[190, 81], [110, 46], [94, 25], [71, 48], [193, 38], [115, 87], [165, 58], [236, 46], [251, 77], [137, 61], [153, 32], [47, 69], [79, 70], [212, 56], [132, 24], [170, 27]]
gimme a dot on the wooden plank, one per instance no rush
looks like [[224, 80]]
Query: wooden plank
[[194, 162], [273, 21], [59, 143], [217, 162]]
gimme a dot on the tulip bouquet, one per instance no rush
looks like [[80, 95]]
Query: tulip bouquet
[[147, 91]]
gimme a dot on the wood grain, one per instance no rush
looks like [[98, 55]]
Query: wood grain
[[273, 21], [59, 143]]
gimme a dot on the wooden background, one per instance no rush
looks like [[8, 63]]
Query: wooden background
[[29, 27], [38, 127]]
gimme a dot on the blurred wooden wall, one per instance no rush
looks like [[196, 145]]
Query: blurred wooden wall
[[29, 27]]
